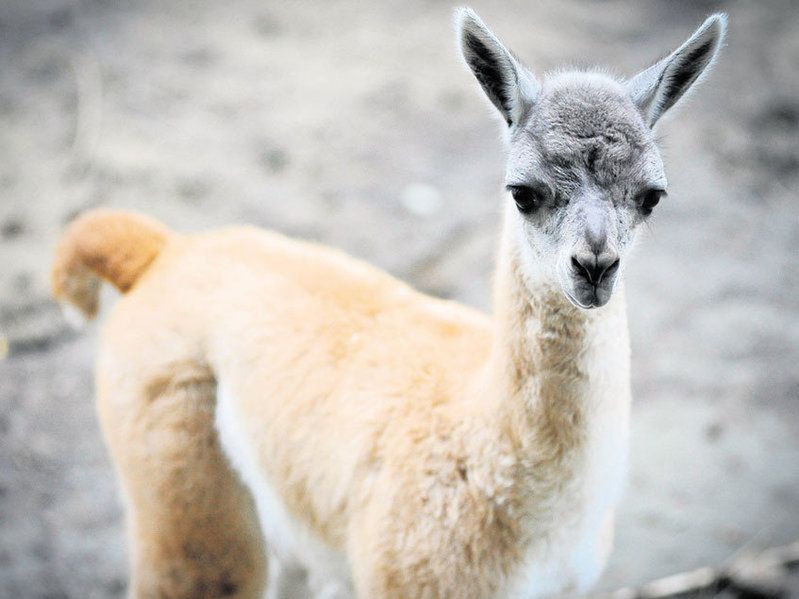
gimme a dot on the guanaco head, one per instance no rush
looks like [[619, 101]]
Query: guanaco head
[[583, 168]]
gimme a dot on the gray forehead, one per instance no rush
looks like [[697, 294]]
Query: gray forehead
[[584, 127]]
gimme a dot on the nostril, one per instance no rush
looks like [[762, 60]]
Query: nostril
[[580, 269], [602, 272], [594, 271], [611, 269]]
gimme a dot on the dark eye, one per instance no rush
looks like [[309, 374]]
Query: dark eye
[[527, 199], [648, 199]]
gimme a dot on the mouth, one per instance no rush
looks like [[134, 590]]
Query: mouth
[[588, 297], [583, 306]]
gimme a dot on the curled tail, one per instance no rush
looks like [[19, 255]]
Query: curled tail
[[114, 245]]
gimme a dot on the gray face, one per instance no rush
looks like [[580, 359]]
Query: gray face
[[585, 170]]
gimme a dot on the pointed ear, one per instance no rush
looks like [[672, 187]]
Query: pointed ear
[[506, 82], [659, 87]]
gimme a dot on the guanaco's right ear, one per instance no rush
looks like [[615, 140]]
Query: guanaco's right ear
[[506, 82]]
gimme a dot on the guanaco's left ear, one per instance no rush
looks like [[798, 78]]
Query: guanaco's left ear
[[659, 87], [505, 80]]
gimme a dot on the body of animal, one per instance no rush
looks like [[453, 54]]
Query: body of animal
[[274, 406]]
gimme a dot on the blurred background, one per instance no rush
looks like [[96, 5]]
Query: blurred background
[[355, 124]]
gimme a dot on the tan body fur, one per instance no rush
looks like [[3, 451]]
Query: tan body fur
[[437, 451]]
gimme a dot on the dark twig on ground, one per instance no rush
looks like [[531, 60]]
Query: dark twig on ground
[[766, 575]]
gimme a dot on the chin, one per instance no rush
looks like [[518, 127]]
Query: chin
[[587, 297]]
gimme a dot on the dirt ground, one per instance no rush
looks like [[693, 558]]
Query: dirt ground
[[356, 125]]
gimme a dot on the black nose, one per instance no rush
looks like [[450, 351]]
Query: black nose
[[594, 268]]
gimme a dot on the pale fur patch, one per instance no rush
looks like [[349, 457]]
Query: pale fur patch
[[571, 562], [574, 560], [290, 543]]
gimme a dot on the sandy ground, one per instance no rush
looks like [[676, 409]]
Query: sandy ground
[[358, 126]]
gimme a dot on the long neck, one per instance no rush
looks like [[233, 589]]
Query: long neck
[[559, 371]]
